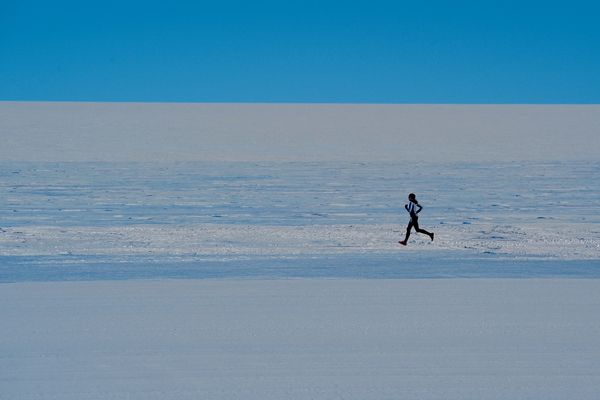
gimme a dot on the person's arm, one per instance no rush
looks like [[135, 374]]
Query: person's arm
[[419, 210], [406, 207]]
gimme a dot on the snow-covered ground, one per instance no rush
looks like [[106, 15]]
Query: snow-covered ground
[[299, 132], [130, 220], [187, 228], [301, 339]]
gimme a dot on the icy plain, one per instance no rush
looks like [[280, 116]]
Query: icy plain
[[82, 221], [160, 252], [360, 339]]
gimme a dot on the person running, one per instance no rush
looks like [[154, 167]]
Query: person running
[[413, 207]]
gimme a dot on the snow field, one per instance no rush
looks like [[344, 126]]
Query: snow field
[[301, 339], [227, 241], [220, 211]]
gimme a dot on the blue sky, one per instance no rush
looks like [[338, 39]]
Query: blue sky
[[301, 51]]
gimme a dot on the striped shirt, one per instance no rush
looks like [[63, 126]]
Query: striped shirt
[[412, 208]]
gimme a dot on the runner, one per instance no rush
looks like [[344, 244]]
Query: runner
[[413, 207]]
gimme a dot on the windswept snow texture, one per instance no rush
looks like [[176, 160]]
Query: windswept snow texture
[[87, 221], [149, 132], [431, 339]]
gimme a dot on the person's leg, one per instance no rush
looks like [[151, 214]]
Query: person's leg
[[419, 230], [408, 228]]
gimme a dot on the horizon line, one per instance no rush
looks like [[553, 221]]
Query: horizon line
[[299, 103]]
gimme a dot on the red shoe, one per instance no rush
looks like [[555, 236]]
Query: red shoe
[[402, 242]]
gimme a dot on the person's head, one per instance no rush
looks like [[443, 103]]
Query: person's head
[[412, 197]]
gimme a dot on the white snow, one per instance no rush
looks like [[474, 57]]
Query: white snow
[[153, 212], [316, 132], [122, 197], [301, 339], [224, 242]]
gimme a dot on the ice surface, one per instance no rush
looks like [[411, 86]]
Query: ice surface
[[299, 132], [119, 220], [508, 187], [252, 196], [301, 339]]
